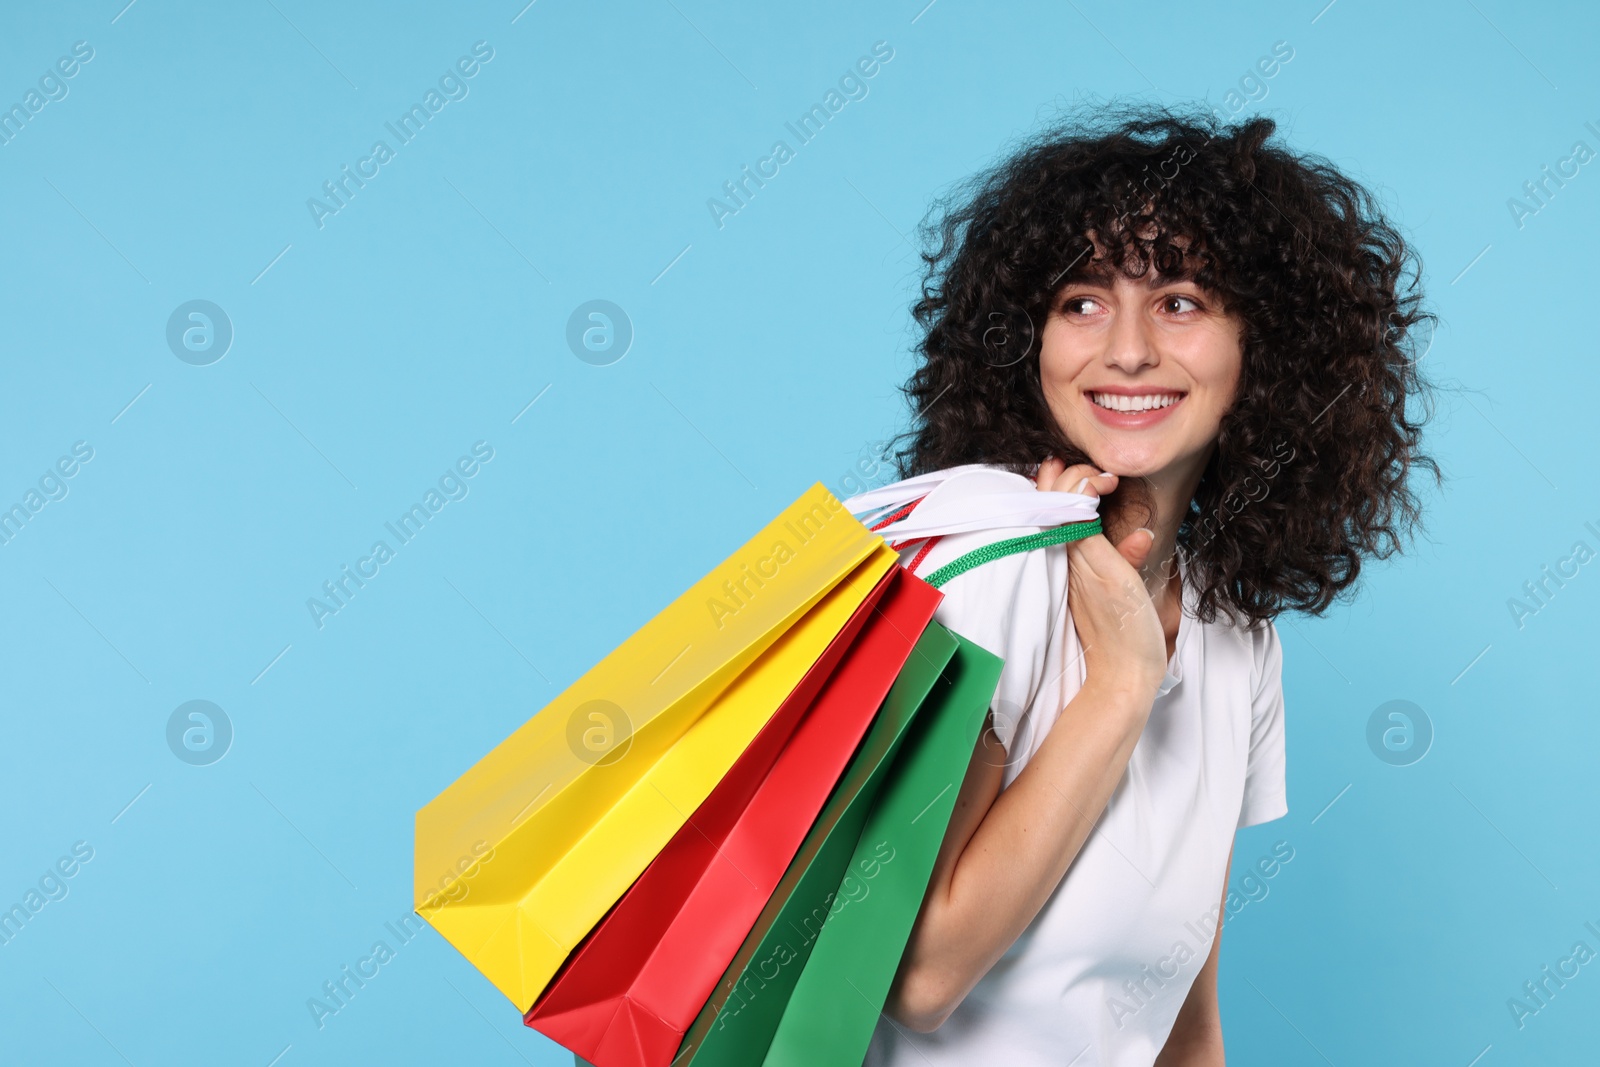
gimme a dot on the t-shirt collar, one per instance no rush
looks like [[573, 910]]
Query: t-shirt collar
[[1174, 672]]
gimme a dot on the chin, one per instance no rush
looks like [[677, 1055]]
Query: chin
[[1125, 469], [1131, 463]]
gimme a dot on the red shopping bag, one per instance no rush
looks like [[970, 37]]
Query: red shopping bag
[[635, 985]]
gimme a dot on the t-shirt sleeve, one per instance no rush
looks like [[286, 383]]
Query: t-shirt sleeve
[[1001, 606], [1265, 795]]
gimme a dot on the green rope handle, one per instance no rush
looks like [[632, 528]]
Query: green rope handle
[[1072, 531]]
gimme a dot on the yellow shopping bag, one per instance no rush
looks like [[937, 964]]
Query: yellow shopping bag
[[578, 801]]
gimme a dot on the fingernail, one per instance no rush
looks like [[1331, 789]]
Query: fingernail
[[1104, 473], [1081, 484], [1147, 530]]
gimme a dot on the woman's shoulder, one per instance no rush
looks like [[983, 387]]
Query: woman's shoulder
[[1013, 605], [977, 498], [947, 485], [1008, 603], [1237, 646], [1266, 655]]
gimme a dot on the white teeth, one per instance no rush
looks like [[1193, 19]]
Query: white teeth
[[1118, 402]]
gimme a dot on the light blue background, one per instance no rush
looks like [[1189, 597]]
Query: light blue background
[[428, 313]]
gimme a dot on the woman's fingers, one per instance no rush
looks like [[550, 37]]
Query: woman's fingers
[[1095, 483], [1049, 470], [1135, 548], [1056, 476], [1107, 599], [1097, 555], [1094, 555]]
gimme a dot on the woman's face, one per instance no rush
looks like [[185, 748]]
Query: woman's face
[[1139, 372]]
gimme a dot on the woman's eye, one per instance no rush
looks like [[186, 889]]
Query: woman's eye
[[1174, 303], [1078, 305]]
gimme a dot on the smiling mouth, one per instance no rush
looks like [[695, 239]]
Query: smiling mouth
[[1121, 402]]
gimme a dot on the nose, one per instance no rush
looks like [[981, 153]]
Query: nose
[[1130, 345]]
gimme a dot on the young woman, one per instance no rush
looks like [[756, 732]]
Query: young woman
[[1217, 337]]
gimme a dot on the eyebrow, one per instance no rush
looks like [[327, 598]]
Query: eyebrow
[[1104, 274]]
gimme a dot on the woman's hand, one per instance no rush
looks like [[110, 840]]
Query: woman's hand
[[1124, 646]]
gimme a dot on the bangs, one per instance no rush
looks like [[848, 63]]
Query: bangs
[[1130, 228]]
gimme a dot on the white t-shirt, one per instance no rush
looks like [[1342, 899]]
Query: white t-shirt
[[1098, 977]]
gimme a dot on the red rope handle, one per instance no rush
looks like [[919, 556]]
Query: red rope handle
[[897, 516], [928, 543], [922, 553]]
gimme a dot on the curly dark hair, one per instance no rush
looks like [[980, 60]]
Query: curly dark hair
[[1310, 471]]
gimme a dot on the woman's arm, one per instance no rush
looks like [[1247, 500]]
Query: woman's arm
[[1005, 851], [1196, 1037]]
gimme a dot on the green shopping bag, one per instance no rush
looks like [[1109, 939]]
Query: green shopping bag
[[835, 1006], [810, 981]]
